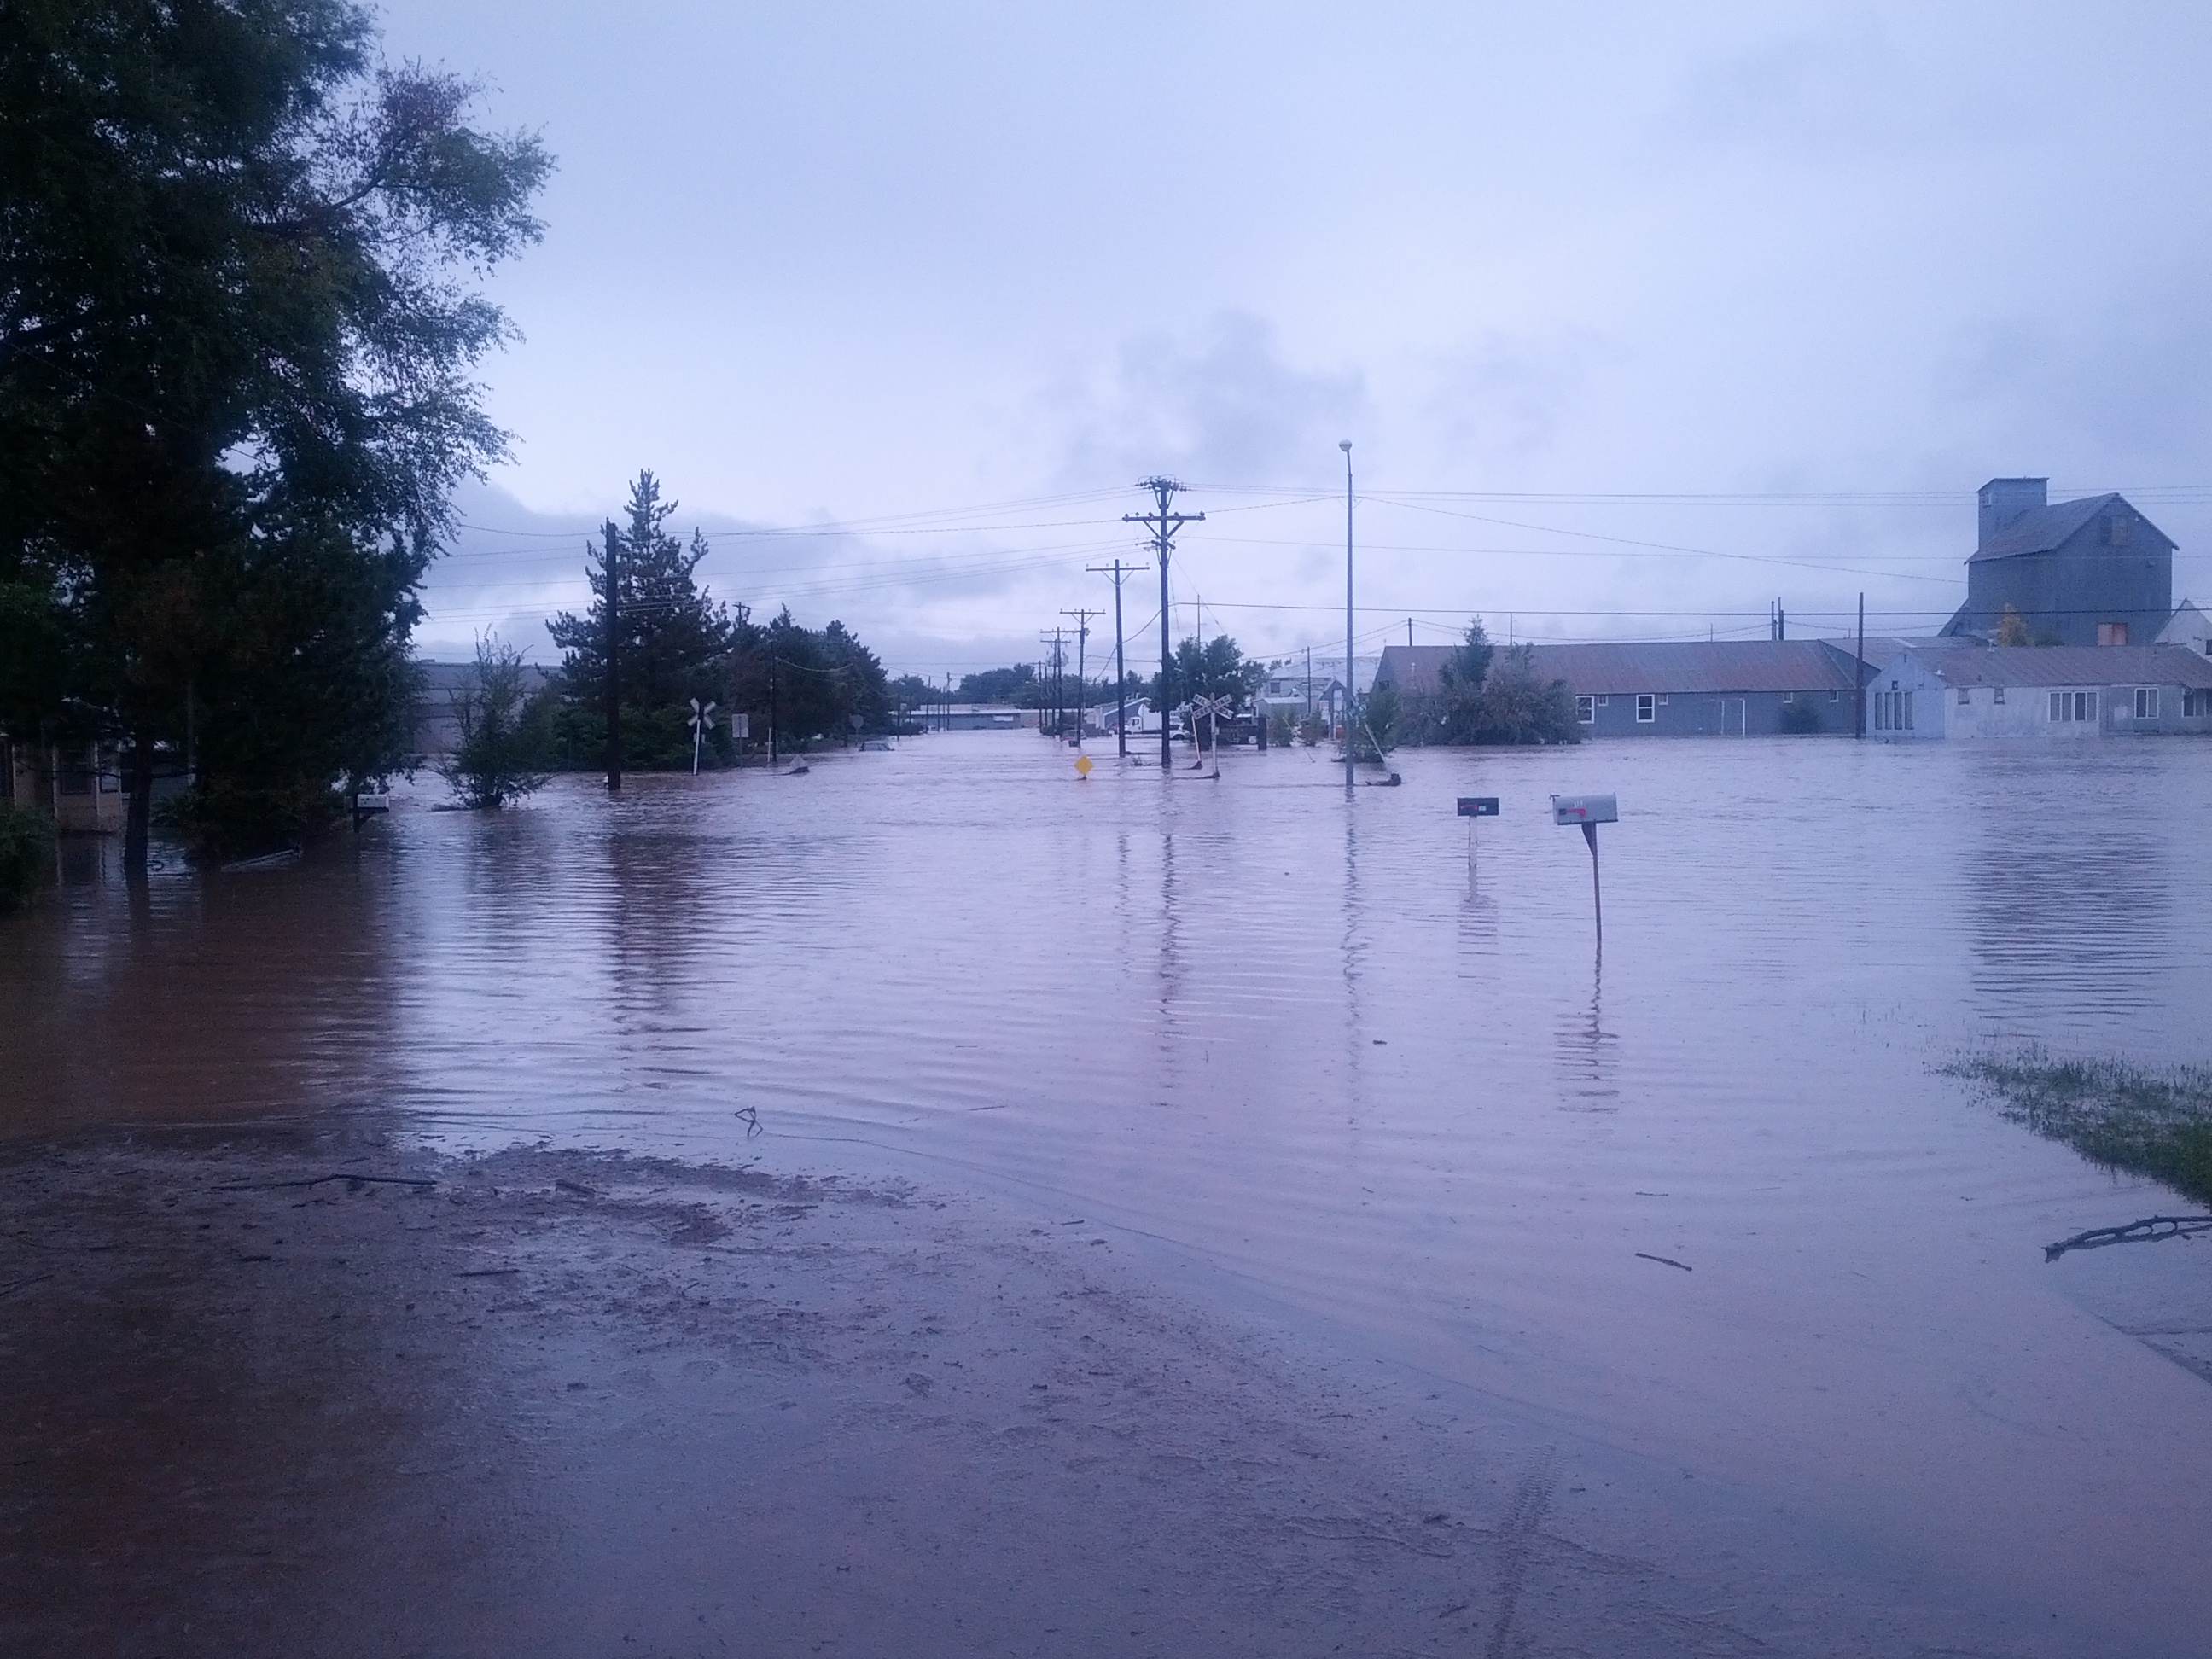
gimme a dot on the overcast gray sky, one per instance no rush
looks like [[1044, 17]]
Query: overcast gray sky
[[921, 291]]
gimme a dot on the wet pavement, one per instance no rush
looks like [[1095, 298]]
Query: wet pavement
[[1308, 1079]]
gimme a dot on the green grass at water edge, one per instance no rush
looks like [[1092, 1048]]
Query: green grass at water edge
[[2126, 1117]]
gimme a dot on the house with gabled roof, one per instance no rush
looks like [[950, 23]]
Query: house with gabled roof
[[1676, 688], [2093, 571], [1965, 689], [2190, 629]]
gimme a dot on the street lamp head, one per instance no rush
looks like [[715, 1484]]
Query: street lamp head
[[1345, 444]]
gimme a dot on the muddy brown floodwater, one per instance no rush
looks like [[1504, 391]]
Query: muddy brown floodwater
[[935, 1206]]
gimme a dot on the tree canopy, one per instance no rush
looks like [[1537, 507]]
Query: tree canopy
[[674, 645], [1486, 696], [238, 322], [678, 643], [1217, 669]]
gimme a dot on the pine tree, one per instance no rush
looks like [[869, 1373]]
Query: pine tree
[[675, 642]]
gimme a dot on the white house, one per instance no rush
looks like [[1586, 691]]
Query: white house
[[2191, 629], [1945, 689]]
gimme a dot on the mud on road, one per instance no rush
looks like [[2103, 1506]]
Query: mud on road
[[329, 1397]]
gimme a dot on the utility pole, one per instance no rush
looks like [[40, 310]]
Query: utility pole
[[1052, 688], [614, 658], [1118, 570], [1345, 445], [1163, 525], [1082, 688], [771, 708], [1858, 677]]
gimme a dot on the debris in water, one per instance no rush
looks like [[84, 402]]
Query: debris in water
[[1667, 1260], [2148, 1231]]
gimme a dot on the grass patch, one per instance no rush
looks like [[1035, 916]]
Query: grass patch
[[2147, 1123]]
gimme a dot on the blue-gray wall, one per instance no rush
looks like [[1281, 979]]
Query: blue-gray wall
[[1711, 715], [2066, 593]]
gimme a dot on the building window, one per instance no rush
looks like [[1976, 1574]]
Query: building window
[[1997, 694], [2194, 704], [2115, 531], [1662, 699], [2111, 633], [1966, 696], [1788, 697], [1647, 707], [1908, 711], [1893, 711], [1586, 710], [1602, 701], [2070, 707], [2146, 702], [1835, 697]]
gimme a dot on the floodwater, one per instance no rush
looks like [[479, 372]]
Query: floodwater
[[1289, 1039]]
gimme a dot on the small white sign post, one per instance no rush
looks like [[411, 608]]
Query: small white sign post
[[1589, 811], [702, 716]]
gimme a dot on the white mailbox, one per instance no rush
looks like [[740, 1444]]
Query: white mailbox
[[1585, 809]]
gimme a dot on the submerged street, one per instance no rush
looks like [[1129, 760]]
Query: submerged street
[[1215, 1179]]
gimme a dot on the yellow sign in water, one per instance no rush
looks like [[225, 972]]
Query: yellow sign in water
[[1083, 766]]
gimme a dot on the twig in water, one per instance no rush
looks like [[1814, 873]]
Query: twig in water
[[2148, 1231], [487, 1273], [1667, 1260], [22, 1284], [750, 1117]]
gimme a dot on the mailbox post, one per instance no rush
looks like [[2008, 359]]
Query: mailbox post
[[1472, 807], [1589, 811]]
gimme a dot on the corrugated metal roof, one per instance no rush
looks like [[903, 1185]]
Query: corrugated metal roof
[[1626, 667], [1961, 664], [1692, 667], [2045, 527]]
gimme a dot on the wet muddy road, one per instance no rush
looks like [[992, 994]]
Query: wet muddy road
[[1338, 1106]]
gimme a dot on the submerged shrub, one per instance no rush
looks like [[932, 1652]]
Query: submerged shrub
[[27, 854]]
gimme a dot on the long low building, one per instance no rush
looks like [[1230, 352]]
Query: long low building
[[1683, 688], [1945, 689]]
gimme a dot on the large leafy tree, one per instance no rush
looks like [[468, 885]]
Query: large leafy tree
[[1218, 668], [238, 321], [673, 640]]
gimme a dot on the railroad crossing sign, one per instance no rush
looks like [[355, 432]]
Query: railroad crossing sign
[[702, 716]]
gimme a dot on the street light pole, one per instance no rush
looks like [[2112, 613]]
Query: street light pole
[[1345, 445]]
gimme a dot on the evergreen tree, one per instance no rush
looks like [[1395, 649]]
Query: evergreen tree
[[1484, 695], [674, 642]]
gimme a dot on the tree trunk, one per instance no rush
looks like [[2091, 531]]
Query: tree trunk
[[138, 815]]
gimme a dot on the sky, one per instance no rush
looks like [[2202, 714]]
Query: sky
[[1638, 318]]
